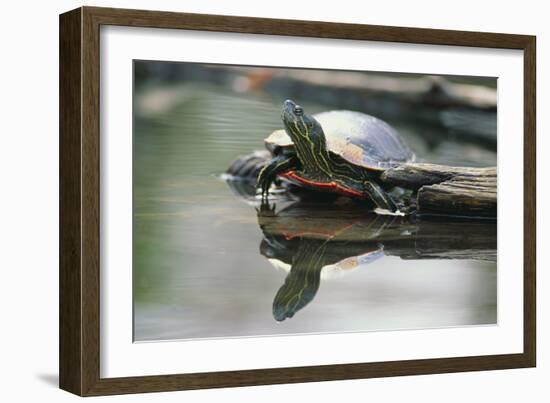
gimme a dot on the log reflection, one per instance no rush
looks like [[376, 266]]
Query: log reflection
[[315, 241]]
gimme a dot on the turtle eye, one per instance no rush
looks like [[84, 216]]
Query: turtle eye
[[298, 111]]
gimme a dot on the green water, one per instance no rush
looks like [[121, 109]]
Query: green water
[[203, 267]]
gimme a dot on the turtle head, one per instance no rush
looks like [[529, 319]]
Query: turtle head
[[301, 127]]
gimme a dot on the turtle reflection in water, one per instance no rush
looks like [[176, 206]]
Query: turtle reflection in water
[[316, 243], [317, 240]]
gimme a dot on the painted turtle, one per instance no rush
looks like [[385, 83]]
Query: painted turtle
[[338, 151]]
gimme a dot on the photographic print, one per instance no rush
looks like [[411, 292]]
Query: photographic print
[[251, 201], [274, 201]]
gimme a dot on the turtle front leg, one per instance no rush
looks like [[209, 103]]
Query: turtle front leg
[[276, 166], [382, 199]]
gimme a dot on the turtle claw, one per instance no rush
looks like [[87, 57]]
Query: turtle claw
[[407, 208], [406, 205]]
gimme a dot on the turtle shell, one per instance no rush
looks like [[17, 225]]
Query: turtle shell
[[359, 138]]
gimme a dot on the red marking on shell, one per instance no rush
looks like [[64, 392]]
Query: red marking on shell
[[331, 186]]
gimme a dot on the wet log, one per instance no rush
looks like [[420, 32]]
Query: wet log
[[447, 190]]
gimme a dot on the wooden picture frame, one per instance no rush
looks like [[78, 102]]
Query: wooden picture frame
[[80, 199]]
